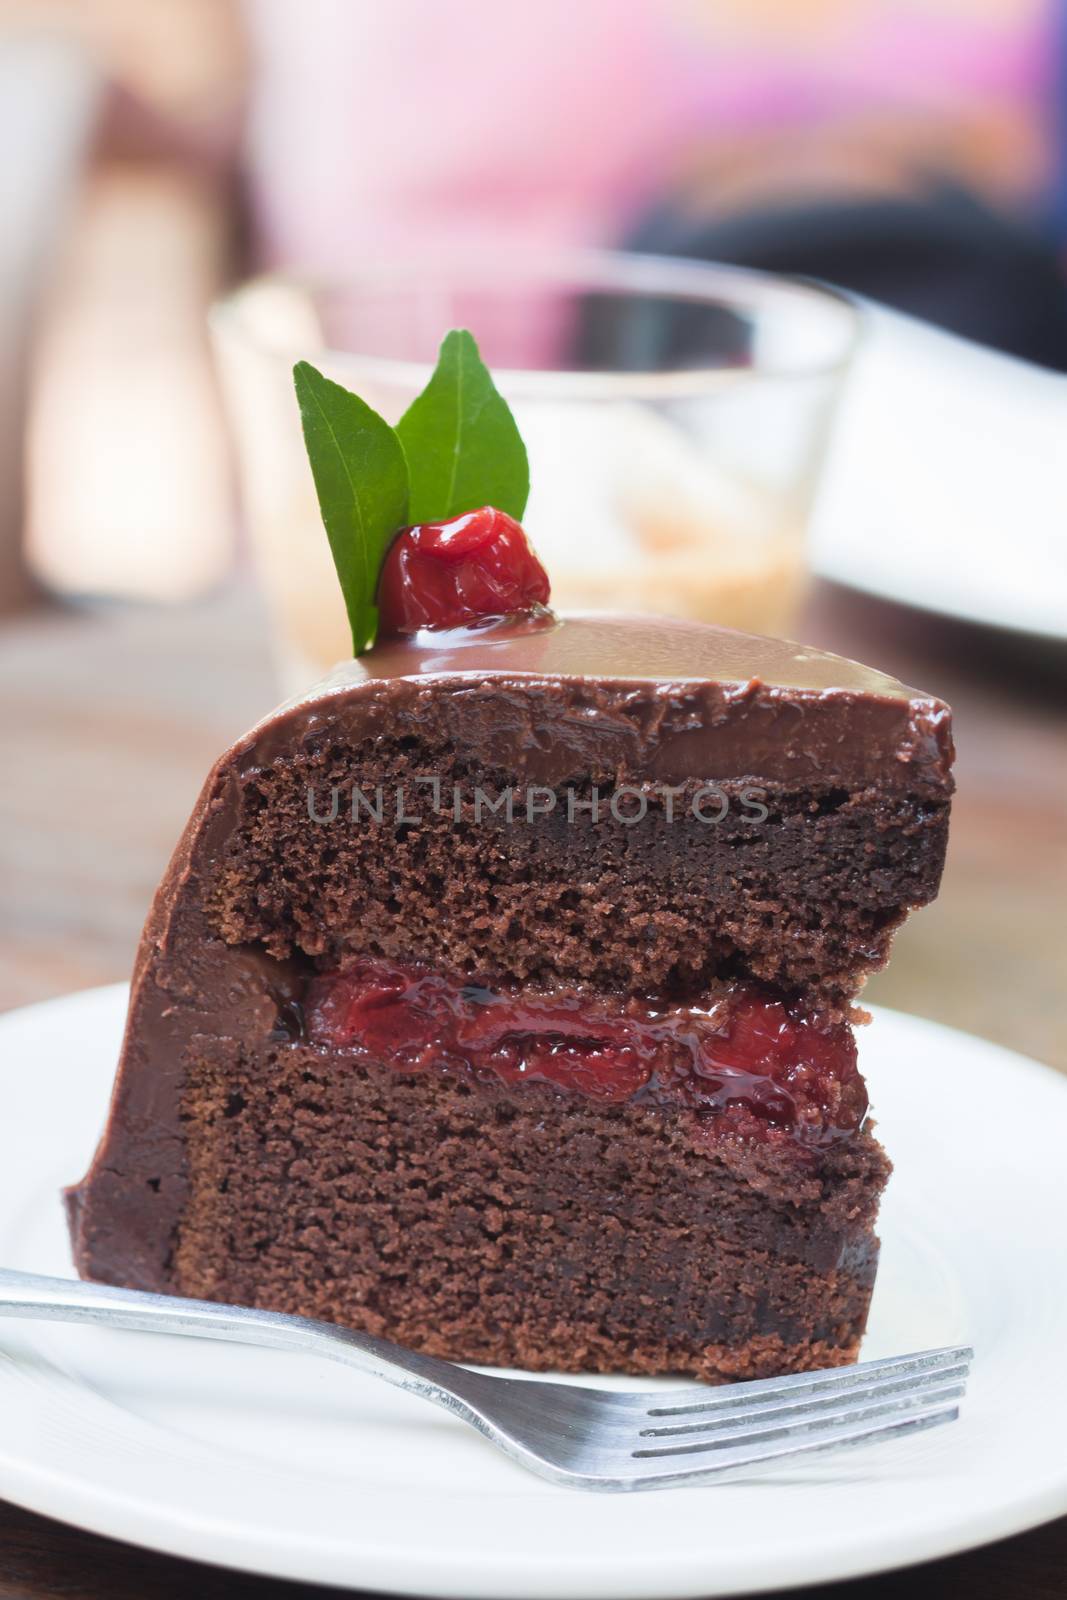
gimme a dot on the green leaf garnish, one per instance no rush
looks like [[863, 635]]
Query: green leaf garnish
[[462, 445], [455, 448], [361, 478]]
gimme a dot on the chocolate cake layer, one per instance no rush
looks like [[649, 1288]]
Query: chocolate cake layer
[[243, 1161], [517, 1229], [806, 896]]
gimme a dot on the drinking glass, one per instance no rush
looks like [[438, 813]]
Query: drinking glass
[[676, 416]]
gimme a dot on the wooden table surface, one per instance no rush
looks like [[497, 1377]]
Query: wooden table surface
[[110, 722]]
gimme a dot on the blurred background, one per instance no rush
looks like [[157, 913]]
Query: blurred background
[[878, 466]]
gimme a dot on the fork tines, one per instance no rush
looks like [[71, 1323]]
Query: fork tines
[[694, 1431]]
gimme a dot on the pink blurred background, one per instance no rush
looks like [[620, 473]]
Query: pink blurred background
[[190, 142]]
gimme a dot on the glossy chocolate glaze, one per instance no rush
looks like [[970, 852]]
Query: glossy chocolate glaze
[[645, 697]]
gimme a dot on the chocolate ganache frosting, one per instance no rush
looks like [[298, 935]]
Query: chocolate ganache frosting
[[649, 698]]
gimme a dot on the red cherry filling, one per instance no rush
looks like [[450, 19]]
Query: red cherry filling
[[445, 574], [749, 1065]]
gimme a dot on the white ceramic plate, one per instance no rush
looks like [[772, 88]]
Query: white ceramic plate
[[947, 480], [289, 1466]]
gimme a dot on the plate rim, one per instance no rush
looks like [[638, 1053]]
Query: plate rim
[[830, 568], [112, 1517]]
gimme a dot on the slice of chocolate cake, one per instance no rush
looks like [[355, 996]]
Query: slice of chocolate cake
[[498, 999]]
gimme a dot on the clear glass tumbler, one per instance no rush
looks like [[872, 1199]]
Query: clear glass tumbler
[[676, 416]]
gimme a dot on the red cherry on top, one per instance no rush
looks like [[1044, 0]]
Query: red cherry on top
[[445, 574]]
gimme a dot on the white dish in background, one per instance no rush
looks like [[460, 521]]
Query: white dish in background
[[288, 1466], [946, 486]]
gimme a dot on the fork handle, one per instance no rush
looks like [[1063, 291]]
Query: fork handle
[[30, 1295]]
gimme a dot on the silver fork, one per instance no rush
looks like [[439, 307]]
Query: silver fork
[[585, 1438]]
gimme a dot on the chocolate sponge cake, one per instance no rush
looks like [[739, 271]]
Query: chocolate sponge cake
[[499, 1000]]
